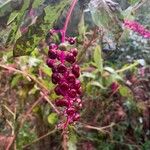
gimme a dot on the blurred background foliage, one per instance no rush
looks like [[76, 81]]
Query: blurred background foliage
[[115, 76]]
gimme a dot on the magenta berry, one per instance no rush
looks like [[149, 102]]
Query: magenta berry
[[74, 52], [79, 91], [52, 54], [71, 111], [72, 93], [61, 103], [71, 40], [58, 90], [77, 84], [71, 78], [50, 63], [56, 78], [61, 68], [53, 46], [64, 87], [54, 69], [70, 58], [76, 70]]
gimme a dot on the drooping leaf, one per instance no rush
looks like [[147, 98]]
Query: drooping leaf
[[7, 6], [36, 28], [81, 26], [96, 83], [88, 75], [12, 17], [98, 58], [15, 32], [46, 70], [109, 69], [107, 14]]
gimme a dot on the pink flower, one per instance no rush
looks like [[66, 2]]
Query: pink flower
[[137, 27]]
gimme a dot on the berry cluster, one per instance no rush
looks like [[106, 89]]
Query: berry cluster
[[138, 28], [65, 72]]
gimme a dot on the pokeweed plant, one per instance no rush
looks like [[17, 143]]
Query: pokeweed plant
[[65, 71]]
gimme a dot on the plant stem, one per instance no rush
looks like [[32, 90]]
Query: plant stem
[[67, 20]]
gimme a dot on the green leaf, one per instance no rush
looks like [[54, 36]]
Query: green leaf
[[133, 1], [15, 80], [12, 17], [52, 118], [124, 91], [36, 3], [128, 13], [81, 27], [146, 145], [37, 27], [72, 141], [107, 14], [109, 69], [46, 70], [5, 7], [71, 145], [96, 83], [98, 58], [36, 109], [88, 75]]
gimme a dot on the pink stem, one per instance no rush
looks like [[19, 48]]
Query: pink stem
[[67, 20]]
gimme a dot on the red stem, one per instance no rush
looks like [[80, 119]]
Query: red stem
[[68, 19]]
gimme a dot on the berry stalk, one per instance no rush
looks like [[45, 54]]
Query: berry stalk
[[67, 20]]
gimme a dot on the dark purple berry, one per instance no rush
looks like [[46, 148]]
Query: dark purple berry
[[77, 74], [56, 78], [74, 52], [72, 93], [61, 103], [58, 90], [70, 58], [71, 78], [77, 84], [50, 63], [52, 54], [70, 111], [79, 91], [54, 69], [53, 46], [61, 68], [71, 40], [64, 87], [76, 70]]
